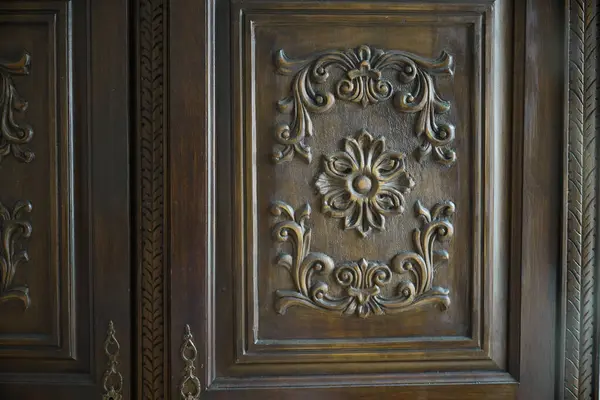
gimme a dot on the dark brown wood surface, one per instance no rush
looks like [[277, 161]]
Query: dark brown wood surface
[[188, 161], [515, 150], [77, 181]]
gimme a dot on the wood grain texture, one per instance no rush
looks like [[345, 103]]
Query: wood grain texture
[[151, 169], [581, 201]]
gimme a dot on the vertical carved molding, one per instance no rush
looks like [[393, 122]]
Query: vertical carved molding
[[189, 386], [112, 381], [151, 217], [580, 350]]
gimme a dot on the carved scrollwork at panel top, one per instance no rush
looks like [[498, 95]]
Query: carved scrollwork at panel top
[[364, 83], [13, 229], [364, 287], [13, 136], [364, 183]]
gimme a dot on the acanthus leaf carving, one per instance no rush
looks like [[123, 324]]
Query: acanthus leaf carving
[[14, 228], [364, 183], [365, 85], [363, 287], [13, 136]]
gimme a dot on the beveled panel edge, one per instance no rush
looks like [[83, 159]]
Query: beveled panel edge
[[251, 18], [56, 15], [353, 380]]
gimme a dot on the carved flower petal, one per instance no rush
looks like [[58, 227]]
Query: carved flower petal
[[375, 152], [326, 183], [372, 216], [389, 200], [340, 165], [356, 148], [354, 217], [338, 203], [389, 165]]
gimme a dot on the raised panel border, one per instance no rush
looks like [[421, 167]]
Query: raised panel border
[[61, 344], [192, 255], [252, 349]]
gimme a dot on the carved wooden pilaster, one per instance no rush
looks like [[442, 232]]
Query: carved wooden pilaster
[[152, 19], [580, 374]]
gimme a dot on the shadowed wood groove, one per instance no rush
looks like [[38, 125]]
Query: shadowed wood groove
[[151, 47]]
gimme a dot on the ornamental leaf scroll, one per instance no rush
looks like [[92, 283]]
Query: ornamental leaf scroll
[[15, 229], [13, 136], [364, 83], [363, 287]]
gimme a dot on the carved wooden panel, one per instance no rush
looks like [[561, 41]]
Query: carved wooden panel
[[37, 167], [272, 261], [64, 213], [364, 215]]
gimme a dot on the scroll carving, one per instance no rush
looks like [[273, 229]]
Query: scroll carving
[[364, 83], [363, 287], [190, 386], [112, 381], [581, 353], [13, 136], [364, 183], [14, 229]]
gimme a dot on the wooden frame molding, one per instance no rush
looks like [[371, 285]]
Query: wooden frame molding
[[150, 190], [579, 336], [580, 289]]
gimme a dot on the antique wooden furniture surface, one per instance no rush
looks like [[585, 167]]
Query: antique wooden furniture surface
[[65, 204], [269, 199]]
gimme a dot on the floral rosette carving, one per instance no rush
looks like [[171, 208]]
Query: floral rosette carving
[[364, 183], [13, 136], [364, 83], [363, 288]]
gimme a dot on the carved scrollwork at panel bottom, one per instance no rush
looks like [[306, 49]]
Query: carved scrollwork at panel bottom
[[364, 287], [364, 84], [13, 136], [14, 229], [190, 386], [364, 183], [112, 381]]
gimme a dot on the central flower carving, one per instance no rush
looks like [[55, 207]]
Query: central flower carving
[[364, 183]]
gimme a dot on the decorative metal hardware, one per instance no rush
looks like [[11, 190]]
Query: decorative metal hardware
[[113, 380], [190, 386]]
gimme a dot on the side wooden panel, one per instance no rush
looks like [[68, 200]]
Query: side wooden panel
[[37, 168], [65, 213]]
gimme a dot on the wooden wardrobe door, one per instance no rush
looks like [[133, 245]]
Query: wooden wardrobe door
[[365, 199], [65, 318]]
